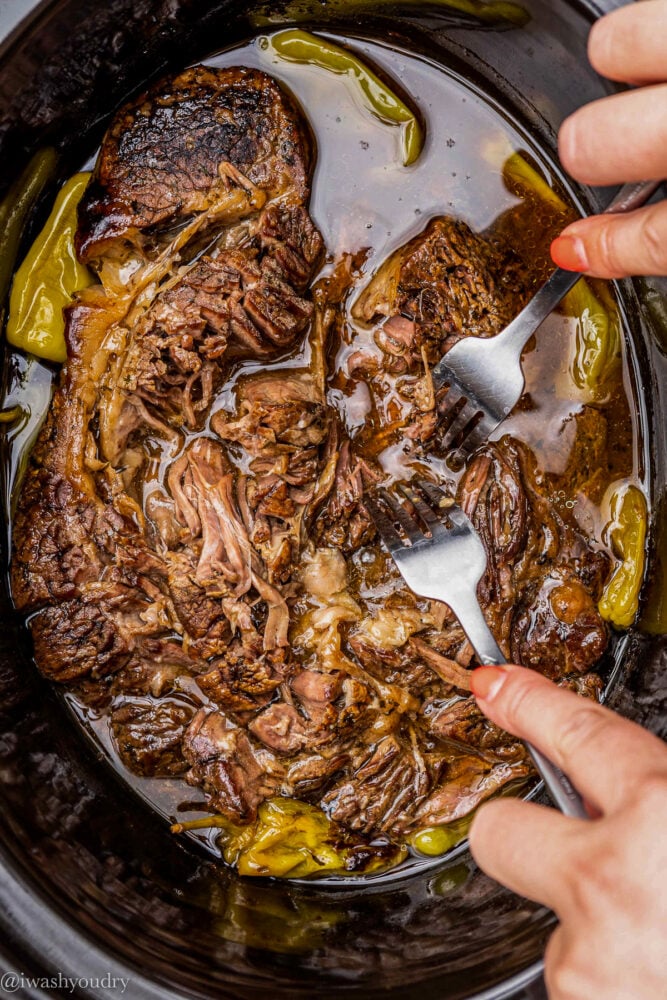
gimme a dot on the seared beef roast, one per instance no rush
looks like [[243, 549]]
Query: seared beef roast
[[205, 559]]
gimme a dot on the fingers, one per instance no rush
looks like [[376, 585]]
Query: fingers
[[605, 756], [615, 246], [630, 45], [527, 848], [617, 139]]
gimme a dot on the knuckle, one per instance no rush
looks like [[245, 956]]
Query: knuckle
[[653, 235], [570, 148], [601, 43], [593, 881], [520, 700], [587, 724], [650, 798], [610, 248], [564, 979]]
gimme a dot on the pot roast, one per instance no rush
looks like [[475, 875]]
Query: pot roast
[[202, 568]]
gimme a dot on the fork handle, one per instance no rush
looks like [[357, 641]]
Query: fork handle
[[516, 334], [489, 653]]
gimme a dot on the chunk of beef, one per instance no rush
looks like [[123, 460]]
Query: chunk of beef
[[465, 783], [445, 284], [74, 639], [98, 632], [235, 776], [284, 427], [148, 735], [230, 138], [201, 615], [62, 541], [245, 679], [235, 303], [282, 413], [202, 489], [387, 784], [344, 521], [291, 241], [543, 578], [154, 668], [281, 728], [310, 774], [317, 693], [228, 566], [561, 631], [459, 720], [64, 531], [393, 664]]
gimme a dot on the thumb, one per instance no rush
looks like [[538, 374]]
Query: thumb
[[606, 756], [616, 246]]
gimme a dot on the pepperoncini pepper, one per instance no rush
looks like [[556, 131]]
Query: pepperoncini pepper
[[289, 839], [496, 11], [490, 11], [47, 279], [597, 343], [12, 415], [597, 346], [16, 206], [520, 176], [434, 841], [627, 532], [302, 47]]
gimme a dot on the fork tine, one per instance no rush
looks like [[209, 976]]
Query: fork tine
[[449, 509], [477, 436], [459, 429], [407, 523], [432, 522], [449, 407], [388, 532], [437, 497]]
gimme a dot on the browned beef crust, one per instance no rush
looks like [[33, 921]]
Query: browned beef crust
[[167, 154]]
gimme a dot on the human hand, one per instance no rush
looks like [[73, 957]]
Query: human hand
[[606, 879], [621, 138]]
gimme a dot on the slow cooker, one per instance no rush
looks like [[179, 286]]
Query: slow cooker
[[97, 898]]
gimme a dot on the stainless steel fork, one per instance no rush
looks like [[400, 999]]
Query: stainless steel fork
[[440, 557], [484, 376]]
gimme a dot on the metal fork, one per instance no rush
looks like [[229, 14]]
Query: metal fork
[[484, 376], [445, 562]]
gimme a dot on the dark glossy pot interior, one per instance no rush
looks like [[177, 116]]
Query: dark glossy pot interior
[[93, 883]]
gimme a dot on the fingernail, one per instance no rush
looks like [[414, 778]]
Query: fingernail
[[569, 252], [486, 682]]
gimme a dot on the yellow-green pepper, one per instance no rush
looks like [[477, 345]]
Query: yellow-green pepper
[[11, 416], [627, 532], [434, 841], [494, 12], [289, 839], [302, 47], [47, 279], [491, 12], [597, 347], [16, 206], [521, 177]]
